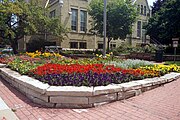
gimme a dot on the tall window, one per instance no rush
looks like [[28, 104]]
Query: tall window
[[138, 9], [52, 14], [74, 19], [139, 29], [145, 10], [141, 9], [74, 45], [83, 20]]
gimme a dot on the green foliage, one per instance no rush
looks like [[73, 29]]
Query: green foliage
[[23, 67], [125, 48], [172, 62], [120, 16], [129, 63], [157, 5], [165, 23], [20, 18], [35, 44]]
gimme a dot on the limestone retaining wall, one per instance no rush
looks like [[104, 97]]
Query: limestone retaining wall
[[80, 97]]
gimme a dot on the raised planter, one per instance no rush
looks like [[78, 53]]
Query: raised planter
[[80, 97]]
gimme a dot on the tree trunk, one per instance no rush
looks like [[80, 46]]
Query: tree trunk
[[14, 44]]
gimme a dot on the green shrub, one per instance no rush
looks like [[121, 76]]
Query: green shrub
[[126, 48], [130, 63]]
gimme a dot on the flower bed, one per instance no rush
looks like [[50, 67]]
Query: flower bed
[[69, 83], [56, 70]]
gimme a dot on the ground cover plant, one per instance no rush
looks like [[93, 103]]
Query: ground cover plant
[[172, 62], [86, 75], [163, 69], [57, 70], [131, 63]]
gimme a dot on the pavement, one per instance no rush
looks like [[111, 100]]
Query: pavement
[[162, 103], [6, 112]]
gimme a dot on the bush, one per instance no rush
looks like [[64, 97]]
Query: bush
[[35, 44], [143, 48]]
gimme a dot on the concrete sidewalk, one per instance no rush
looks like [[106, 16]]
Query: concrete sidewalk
[[162, 103], [5, 112]]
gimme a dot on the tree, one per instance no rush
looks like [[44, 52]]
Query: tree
[[120, 16], [20, 18], [165, 23], [157, 5]]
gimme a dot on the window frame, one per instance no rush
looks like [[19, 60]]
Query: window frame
[[72, 44], [139, 28], [83, 21], [145, 8], [100, 45], [52, 13], [82, 45], [142, 8], [74, 19]]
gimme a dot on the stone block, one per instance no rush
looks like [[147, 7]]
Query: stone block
[[30, 92], [7, 71], [103, 90], [155, 81], [130, 93], [103, 98], [171, 76], [75, 106], [69, 91], [130, 86], [120, 96], [144, 89], [2, 75], [2, 65], [145, 83], [41, 102], [15, 84], [69, 100], [33, 84]]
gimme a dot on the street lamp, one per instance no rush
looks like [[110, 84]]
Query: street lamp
[[61, 3], [104, 27]]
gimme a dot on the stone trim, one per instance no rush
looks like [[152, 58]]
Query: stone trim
[[80, 97]]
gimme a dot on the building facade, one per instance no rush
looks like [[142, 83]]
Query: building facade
[[138, 34], [73, 15]]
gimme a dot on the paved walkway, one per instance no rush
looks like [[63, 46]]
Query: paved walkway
[[162, 103]]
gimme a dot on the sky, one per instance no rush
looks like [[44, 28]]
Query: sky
[[150, 2]]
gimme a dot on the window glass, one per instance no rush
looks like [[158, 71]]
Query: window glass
[[82, 45], [100, 46], [83, 21], [139, 29], [141, 9], [145, 10], [74, 45], [52, 14], [74, 19]]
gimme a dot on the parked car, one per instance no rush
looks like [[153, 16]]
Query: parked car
[[7, 49]]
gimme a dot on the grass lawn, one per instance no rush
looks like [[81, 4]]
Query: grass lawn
[[172, 62]]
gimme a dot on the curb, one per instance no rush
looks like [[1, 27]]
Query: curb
[[80, 97], [5, 112]]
